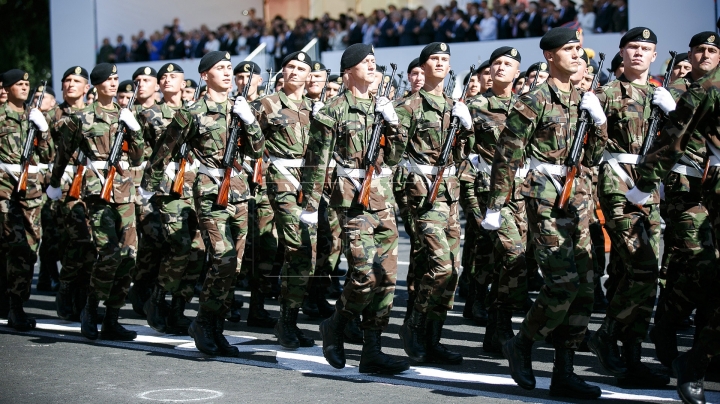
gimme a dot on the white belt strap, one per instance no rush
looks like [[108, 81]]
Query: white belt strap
[[548, 170], [173, 168], [345, 172], [360, 173], [614, 159], [282, 164], [215, 173], [523, 171], [715, 157], [481, 166], [13, 170], [686, 170]]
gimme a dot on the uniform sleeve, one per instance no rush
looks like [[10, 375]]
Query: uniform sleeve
[[395, 142], [69, 134], [467, 177], [253, 148], [178, 132], [317, 158]]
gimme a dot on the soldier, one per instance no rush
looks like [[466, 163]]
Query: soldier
[[91, 95], [126, 89], [93, 131], [474, 86], [316, 81], [484, 76], [341, 131], [519, 83], [188, 93], [681, 68], [577, 77], [49, 101], [616, 65], [204, 127], [426, 116], [333, 86], [543, 123], [20, 211], [537, 71], [279, 82]]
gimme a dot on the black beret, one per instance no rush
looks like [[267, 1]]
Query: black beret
[[126, 86], [508, 51], [638, 34], [300, 56], [467, 76], [484, 65], [592, 67], [203, 88], [211, 59], [168, 68], [584, 56], [76, 71], [558, 37], [12, 76], [433, 49], [190, 83], [705, 38], [92, 90], [521, 75], [681, 57], [102, 72], [415, 63], [318, 67], [355, 54], [334, 78], [144, 71], [538, 66], [48, 90], [616, 62], [247, 67]]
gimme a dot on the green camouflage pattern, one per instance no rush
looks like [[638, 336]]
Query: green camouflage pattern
[[329, 243], [79, 253], [21, 233], [262, 243]]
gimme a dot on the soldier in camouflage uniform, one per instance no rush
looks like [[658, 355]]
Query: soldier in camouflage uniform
[[341, 132], [426, 116], [93, 131], [634, 229], [204, 127], [20, 212], [541, 126]]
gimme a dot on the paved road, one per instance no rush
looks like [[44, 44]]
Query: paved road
[[54, 363]]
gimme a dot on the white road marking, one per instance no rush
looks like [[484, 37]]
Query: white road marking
[[184, 395]]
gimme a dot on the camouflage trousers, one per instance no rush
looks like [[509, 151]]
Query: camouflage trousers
[[78, 253], [329, 244], [150, 242], [509, 280], [51, 233], [21, 234], [401, 199], [182, 258], [262, 243], [299, 240], [438, 230], [562, 250], [371, 248], [635, 235], [115, 238], [477, 255], [227, 230]]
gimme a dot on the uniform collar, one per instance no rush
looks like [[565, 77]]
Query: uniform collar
[[102, 114], [289, 104], [495, 102], [429, 99], [574, 96], [10, 113], [362, 107], [215, 107]]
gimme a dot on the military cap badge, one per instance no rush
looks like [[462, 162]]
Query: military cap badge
[[443, 47], [711, 38], [577, 34], [227, 55], [171, 68], [25, 76], [543, 66], [78, 70], [114, 69], [317, 66], [128, 87], [301, 57], [246, 68], [646, 34], [590, 69], [147, 70], [513, 52], [40, 89]]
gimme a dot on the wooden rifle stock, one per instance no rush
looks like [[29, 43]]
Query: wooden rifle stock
[[705, 171], [74, 192], [29, 148], [179, 182], [224, 191], [107, 188]]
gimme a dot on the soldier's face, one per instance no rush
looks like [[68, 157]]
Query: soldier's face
[[18, 91], [74, 87], [681, 70], [519, 85], [315, 82], [473, 86], [586, 82], [363, 72], [188, 94], [172, 83], [577, 77], [279, 84], [219, 77], [48, 101], [704, 58], [147, 86], [109, 87], [504, 69], [637, 56], [295, 74], [565, 59], [485, 80], [123, 99], [437, 66], [3, 95], [416, 78], [241, 80], [332, 90]]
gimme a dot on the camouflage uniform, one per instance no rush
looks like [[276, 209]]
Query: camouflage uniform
[[543, 122]]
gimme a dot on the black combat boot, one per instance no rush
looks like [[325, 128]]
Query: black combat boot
[[470, 300], [48, 274], [664, 336], [690, 369], [412, 334], [88, 321], [490, 331], [139, 294], [410, 305], [112, 330], [565, 383], [177, 322], [17, 318], [309, 308], [235, 307], [435, 352], [479, 311], [336, 288], [638, 374], [504, 329], [257, 315], [223, 346], [64, 301], [202, 330], [332, 333], [604, 345], [601, 303], [285, 327], [353, 333], [80, 295], [325, 309], [373, 360], [518, 352], [156, 309], [303, 340]]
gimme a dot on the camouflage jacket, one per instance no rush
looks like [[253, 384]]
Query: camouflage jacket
[[627, 107], [698, 110], [204, 126], [57, 117], [542, 125], [286, 126], [93, 130], [427, 125], [13, 133], [344, 126]]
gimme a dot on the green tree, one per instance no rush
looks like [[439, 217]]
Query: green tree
[[25, 44]]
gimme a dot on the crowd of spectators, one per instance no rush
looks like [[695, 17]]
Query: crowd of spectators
[[480, 21]]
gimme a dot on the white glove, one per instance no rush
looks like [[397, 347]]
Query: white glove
[[144, 195], [243, 111], [317, 106], [664, 100], [492, 220], [637, 196], [53, 193], [385, 107], [129, 119], [461, 111], [591, 104], [38, 119], [309, 217]]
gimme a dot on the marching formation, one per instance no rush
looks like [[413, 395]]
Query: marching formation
[[189, 195]]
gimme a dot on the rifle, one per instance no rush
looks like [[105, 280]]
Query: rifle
[[228, 160], [179, 182], [118, 147], [573, 160], [267, 85], [377, 140], [74, 192], [451, 84], [29, 149], [197, 90], [655, 113], [446, 149], [400, 84]]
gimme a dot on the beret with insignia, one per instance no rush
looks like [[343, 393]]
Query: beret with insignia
[[76, 71], [507, 51], [433, 49], [318, 67], [616, 62], [247, 67], [415, 63], [467, 76], [521, 75], [584, 56], [538, 66], [638, 34], [558, 37], [355, 54], [92, 91], [211, 59], [334, 78], [126, 86], [48, 90], [190, 83], [145, 71], [705, 38], [169, 68], [484, 65], [681, 57], [12, 76], [299, 56], [102, 72]]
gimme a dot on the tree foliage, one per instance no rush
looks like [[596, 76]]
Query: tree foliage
[[25, 43]]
